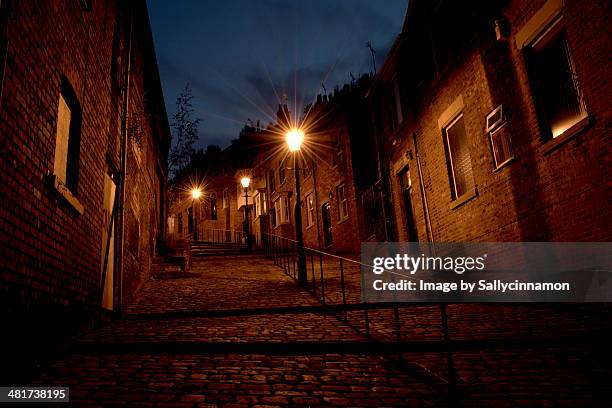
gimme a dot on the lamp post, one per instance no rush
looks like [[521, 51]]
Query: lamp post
[[196, 193], [246, 181], [294, 139]]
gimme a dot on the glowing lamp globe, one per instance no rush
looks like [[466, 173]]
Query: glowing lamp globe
[[196, 193], [245, 181], [294, 138]]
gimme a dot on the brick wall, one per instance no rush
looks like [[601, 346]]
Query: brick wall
[[551, 191], [51, 254]]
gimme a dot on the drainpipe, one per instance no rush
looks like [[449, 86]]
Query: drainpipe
[[430, 237], [123, 166]]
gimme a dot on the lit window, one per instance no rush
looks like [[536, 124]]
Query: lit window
[[555, 82], [458, 156], [66, 162], [342, 202], [310, 214]]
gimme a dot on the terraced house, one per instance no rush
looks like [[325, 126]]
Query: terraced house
[[497, 126], [83, 162]]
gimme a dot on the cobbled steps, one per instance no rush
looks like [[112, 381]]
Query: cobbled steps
[[239, 333]]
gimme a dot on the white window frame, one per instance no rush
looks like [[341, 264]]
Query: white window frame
[[494, 127]]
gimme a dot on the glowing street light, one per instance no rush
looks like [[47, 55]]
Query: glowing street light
[[294, 139], [246, 181], [196, 193]]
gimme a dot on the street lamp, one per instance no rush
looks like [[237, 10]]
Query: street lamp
[[196, 193], [246, 181], [294, 139]]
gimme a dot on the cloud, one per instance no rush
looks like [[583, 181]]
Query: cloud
[[236, 54]]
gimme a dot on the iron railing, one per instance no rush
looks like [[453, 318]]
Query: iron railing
[[219, 236], [336, 281]]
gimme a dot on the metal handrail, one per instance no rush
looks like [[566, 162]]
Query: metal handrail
[[282, 251]]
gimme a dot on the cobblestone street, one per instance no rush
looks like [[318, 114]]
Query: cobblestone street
[[239, 332]]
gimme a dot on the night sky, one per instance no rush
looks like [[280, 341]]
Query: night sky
[[241, 56]]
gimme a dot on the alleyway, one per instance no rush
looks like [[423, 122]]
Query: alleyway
[[240, 333]]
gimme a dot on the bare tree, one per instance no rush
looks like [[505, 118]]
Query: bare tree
[[184, 133]]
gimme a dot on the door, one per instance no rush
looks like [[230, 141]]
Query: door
[[406, 186], [327, 224], [108, 242]]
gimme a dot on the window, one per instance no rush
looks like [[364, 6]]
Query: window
[[458, 158], [282, 208], [190, 220], [286, 204], [213, 206], [225, 198], [342, 202], [260, 205], [263, 205], [500, 137], [555, 83], [66, 162], [310, 212]]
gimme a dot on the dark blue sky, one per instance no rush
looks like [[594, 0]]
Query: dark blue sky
[[241, 56]]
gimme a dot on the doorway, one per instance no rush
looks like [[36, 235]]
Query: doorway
[[327, 224], [108, 242]]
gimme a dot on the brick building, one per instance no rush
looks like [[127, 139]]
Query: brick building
[[329, 205], [494, 128], [83, 159], [499, 128]]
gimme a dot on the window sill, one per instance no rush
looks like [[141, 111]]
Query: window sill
[[504, 165], [459, 201], [60, 188], [566, 136]]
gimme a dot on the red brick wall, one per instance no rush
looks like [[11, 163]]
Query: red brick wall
[[50, 255], [556, 194]]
